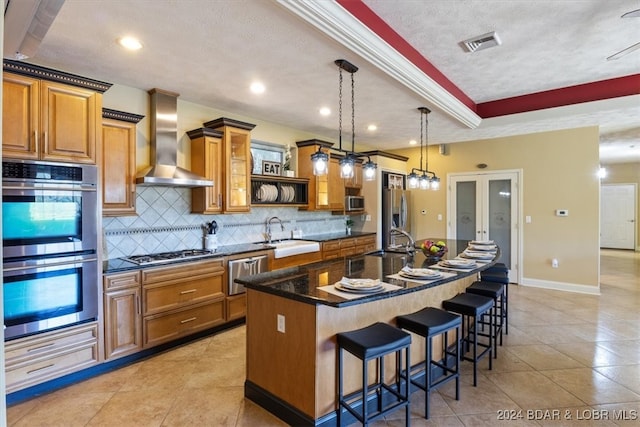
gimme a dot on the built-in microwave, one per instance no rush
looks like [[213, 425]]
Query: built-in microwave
[[353, 203], [48, 209]]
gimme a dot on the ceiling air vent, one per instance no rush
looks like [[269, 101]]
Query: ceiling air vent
[[484, 41]]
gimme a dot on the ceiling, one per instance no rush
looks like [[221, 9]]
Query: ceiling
[[210, 51]]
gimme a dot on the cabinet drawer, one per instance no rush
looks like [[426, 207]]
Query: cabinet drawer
[[33, 347], [166, 327], [331, 255], [55, 365], [121, 280], [347, 243], [187, 270], [162, 297], [366, 240], [331, 246], [348, 251]]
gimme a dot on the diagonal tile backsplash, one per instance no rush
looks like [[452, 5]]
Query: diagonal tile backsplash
[[165, 223]]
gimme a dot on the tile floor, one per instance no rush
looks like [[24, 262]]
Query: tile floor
[[567, 356]]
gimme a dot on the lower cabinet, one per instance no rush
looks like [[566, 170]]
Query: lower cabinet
[[43, 357], [236, 306], [181, 299], [348, 246], [122, 314]]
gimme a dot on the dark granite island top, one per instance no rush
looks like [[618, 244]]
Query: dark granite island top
[[304, 283], [291, 327]]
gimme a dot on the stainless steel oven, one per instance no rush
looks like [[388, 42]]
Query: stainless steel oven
[[48, 293], [50, 256], [48, 208]]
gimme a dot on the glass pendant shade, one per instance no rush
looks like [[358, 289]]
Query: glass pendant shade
[[369, 170], [424, 182], [435, 183], [413, 180], [320, 161], [347, 165]]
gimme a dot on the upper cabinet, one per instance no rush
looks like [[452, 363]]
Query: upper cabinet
[[206, 160], [326, 192], [119, 162], [57, 119], [223, 155]]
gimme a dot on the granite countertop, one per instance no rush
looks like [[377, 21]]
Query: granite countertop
[[304, 283], [120, 264]]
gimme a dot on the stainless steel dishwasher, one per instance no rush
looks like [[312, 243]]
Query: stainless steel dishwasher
[[242, 268]]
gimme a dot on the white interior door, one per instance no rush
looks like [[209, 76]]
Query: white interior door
[[618, 216], [486, 207]]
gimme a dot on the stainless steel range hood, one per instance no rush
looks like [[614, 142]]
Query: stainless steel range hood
[[164, 170]]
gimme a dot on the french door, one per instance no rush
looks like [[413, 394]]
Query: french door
[[486, 207]]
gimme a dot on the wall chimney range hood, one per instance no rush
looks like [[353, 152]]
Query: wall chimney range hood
[[164, 170]]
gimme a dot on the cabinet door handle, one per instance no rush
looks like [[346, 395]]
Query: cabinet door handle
[[219, 199], [138, 304], [191, 319], [40, 369], [35, 137], [190, 291], [40, 347], [46, 142]]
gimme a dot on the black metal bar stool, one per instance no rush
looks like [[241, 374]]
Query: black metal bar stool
[[430, 322], [473, 306], [499, 273], [496, 292], [369, 343]]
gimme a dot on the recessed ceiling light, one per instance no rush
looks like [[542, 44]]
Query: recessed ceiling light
[[325, 111], [372, 128], [257, 87], [130, 43], [413, 142]]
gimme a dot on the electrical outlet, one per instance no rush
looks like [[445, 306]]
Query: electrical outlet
[[281, 323], [554, 263], [368, 218], [439, 217]]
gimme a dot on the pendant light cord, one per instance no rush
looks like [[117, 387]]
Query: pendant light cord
[[353, 115], [340, 110]]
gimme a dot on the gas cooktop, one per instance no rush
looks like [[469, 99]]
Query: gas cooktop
[[167, 256]]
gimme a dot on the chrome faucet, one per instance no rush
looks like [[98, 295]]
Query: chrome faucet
[[273, 218], [411, 243]]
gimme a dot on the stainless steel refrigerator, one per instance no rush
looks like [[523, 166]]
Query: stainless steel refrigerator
[[396, 212]]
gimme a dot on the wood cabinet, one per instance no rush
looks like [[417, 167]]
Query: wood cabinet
[[122, 314], [43, 357], [181, 299], [50, 120], [348, 246], [236, 157], [119, 162], [355, 182], [326, 192], [336, 185], [206, 160]]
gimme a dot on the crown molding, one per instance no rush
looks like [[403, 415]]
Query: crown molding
[[334, 21]]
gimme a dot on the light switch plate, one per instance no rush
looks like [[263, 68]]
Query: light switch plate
[[280, 326]]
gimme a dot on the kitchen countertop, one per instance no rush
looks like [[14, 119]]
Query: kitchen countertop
[[120, 264], [294, 283]]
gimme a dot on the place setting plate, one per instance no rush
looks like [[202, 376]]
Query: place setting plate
[[361, 286], [481, 255], [419, 273], [464, 264]]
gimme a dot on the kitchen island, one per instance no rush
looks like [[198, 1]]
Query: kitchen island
[[294, 314]]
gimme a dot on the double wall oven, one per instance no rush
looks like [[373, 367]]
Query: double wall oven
[[49, 231]]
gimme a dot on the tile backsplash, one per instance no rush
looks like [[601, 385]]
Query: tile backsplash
[[165, 223]]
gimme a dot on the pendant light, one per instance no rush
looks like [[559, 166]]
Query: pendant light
[[423, 178], [348, 162]]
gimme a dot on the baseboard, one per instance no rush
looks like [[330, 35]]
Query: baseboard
[[561, 286]]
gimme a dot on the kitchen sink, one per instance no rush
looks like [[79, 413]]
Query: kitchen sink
[[287, 248]]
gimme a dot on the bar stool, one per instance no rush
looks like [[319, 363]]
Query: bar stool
[[496, 292], [473, 306], [430, 322], [499, 273], [369, 343]]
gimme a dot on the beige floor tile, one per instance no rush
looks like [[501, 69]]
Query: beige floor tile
[[64, 410], [214, 407], [622, 414], [141, 408], [542, 357], [507, 361], [498, 418], [583, 416], [484, 398], [628, 376], [591, 387], [591, 354], [532, 390]]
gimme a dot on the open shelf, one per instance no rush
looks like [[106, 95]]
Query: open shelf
[[300, 188]]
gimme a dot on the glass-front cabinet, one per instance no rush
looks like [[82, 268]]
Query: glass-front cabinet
[[228, 164]]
